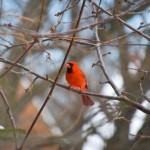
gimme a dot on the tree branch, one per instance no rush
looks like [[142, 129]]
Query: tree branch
[[119, 98], [10, 115]]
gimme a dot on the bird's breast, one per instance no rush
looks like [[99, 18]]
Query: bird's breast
[[76, 81]]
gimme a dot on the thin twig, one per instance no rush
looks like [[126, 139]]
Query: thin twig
[[122, 21], [41, 15], [146, 98], [10, 115], [59, 34], [52, 35], [18, 59], [31, 84], [67, 8], [140, 133]]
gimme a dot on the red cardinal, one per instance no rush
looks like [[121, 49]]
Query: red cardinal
[[76, 79]]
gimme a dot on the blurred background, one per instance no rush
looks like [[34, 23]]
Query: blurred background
[[65, 123]]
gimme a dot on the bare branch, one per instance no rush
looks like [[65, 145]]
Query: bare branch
[[117, 17], [8, 109], [102, 62], [17, 60]]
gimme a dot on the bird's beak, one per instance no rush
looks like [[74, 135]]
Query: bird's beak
[[67, 66]]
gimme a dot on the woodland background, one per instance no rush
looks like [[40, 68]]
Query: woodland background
[[110, 42]]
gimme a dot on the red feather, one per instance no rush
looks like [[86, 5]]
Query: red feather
[[76, 79]]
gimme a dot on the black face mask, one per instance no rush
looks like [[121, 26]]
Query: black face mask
[[69, 70]]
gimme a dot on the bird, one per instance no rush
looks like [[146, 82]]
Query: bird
[[77, 79]]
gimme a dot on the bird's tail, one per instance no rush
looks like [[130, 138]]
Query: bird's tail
[[87, 101]]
